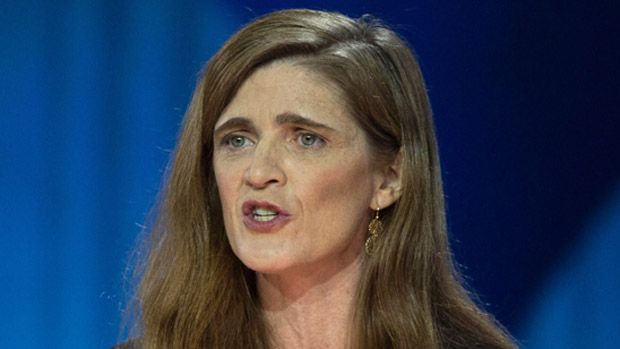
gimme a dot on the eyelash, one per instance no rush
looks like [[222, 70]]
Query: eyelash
[[318, 140], [299, 135], [227, 141]]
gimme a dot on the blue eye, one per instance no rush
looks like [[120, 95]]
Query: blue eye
[[236, 141], [309, 140]]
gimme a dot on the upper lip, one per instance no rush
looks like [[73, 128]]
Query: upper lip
[[249, 206]]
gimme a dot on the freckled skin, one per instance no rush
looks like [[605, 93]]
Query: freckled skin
[[328, 184]]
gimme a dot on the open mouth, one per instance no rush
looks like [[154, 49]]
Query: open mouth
[[263, 214]]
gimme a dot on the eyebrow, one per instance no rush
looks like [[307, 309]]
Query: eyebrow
[[235, 123], [281, 119], [292, 118]]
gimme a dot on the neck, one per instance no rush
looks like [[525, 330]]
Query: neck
[[313, 308]]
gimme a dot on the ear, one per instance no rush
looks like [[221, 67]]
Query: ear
[[388, 184]]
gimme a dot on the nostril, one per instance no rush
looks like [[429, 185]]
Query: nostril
[[264, 168], [262, 176]]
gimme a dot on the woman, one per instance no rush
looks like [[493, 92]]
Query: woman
[[304, 206]]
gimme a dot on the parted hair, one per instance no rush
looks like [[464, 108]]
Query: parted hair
[[195, 293]]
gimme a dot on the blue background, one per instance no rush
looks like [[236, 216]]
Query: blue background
[[526, 102]]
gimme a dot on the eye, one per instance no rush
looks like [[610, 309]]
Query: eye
[[236, 141], [309, 140]]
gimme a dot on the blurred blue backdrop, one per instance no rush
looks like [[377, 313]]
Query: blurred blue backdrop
[[525, 96]]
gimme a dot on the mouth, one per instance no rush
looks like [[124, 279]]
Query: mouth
[[263, 216]]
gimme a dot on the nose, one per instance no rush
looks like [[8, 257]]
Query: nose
[[264, 170]]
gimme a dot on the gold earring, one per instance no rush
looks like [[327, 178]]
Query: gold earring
[[374, 229]]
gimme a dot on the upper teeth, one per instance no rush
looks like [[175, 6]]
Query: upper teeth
[[264, 215], [263, 212]]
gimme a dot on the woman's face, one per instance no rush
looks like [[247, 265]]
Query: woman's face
[[293, 171]]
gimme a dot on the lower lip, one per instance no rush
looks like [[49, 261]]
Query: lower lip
[[265, 227]]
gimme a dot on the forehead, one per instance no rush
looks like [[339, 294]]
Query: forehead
[[282, 87]]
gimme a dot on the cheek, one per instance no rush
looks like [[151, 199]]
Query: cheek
[[226, 178], [341, 190]]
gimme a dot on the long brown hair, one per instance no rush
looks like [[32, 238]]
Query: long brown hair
[[194, 292]]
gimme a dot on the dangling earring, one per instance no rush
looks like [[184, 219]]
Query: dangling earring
[[374, 229]]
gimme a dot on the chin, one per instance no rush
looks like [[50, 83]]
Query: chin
[[266, 264], [267, 267]]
